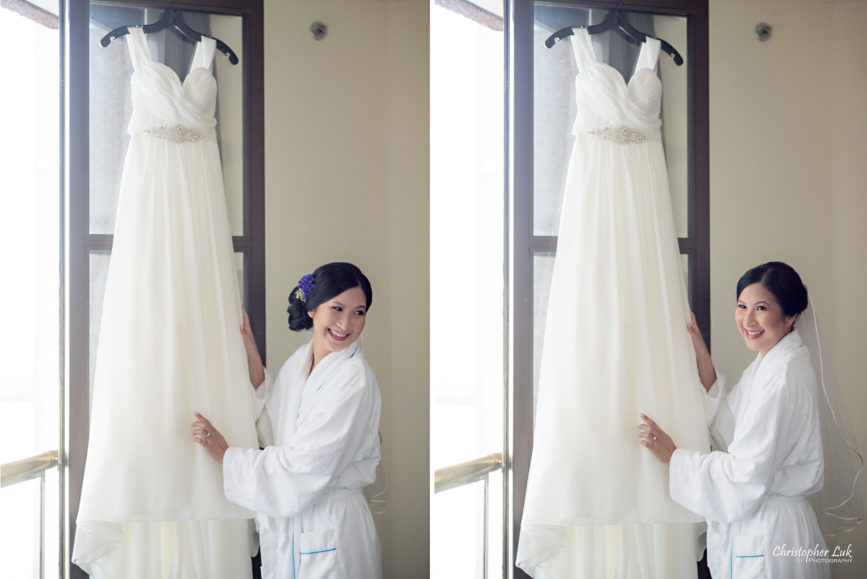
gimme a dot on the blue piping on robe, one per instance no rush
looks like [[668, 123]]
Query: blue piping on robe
[[732, 560]]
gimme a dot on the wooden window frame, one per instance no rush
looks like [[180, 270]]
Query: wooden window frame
[[80, 242], [525, 244]]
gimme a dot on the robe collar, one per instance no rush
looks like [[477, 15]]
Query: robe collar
[[787, 344], [303, 397], [329, 362]]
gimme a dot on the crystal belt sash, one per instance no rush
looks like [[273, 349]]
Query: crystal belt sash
[[620, 134], [176, 134]]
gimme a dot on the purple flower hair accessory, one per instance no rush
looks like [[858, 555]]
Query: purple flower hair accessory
[[305, 286]]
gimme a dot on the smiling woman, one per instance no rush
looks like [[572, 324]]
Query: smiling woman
[[338, 323], [761, 319], [770, 298], [319, 424], [767, 438], [333, 301]]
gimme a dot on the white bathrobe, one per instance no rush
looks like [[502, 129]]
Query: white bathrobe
[[321, 438], [753, 489]]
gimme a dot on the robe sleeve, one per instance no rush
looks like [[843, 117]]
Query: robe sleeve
[[713, 396], [729, 486], [283, 481]]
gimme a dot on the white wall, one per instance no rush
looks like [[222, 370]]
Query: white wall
[[346, 121], [788, 151], [849, 230]]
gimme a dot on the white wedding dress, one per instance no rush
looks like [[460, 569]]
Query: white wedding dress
[[152, 503], [615, 346]]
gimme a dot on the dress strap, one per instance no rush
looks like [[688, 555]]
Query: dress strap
[[648, 57], [139, 52], [204, 55], [582, 48]]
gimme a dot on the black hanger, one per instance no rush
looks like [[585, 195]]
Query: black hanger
[[618, 20], [173, 19]]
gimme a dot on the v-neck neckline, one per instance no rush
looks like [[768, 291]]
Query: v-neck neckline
[[588, 44], [146, 50]]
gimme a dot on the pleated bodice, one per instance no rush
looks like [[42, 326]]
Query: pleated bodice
[[606, 101], [166, 106]]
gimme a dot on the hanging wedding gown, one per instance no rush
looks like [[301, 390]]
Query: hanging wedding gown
[[152, 503], [615, 346]]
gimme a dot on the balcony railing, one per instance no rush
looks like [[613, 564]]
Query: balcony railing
[[28, 469], [465, 473]]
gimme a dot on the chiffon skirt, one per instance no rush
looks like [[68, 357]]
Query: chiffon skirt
[[169, 345], [615, 346]]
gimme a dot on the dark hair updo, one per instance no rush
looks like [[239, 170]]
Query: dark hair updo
[[329, 280], [781, 280]]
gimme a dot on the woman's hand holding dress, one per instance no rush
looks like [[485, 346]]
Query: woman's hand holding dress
[[654, 438], [209, 438]]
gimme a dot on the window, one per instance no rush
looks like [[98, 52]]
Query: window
[[30, 349], [97, 113], [542, 115], [466, 212], [467, 209]]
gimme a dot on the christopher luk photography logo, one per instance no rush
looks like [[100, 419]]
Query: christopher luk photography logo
[[816, 554]]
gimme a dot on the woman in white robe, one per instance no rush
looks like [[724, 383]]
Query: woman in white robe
[[319, 424], [767, 456]]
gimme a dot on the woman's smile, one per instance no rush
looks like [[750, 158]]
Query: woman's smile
[[337, 334], [753, 334]]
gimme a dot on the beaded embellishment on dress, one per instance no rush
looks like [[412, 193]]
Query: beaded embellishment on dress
[[176, 134], [620, 134]]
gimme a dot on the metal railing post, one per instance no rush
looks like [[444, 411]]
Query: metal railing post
[[459, 475], [28, 469], [41, 524]]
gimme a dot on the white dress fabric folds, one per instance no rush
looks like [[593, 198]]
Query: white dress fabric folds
[[753, 489], [321, 435], [152, 502], [615, 345]]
